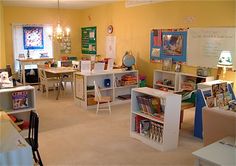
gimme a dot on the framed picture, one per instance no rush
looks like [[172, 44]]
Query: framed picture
[[178, 67], [167, 64], [33, 37], [174, 45]]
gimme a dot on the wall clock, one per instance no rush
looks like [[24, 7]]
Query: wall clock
[[110, 29]]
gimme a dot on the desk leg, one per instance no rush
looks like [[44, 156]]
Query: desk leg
[[60, 87], [23, 73]]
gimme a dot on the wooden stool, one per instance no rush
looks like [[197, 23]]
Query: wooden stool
[[184, 105]]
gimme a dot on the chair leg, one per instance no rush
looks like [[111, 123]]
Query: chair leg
[[97, 107], [46, 90], [72, 86], [65, 85], [34, 156], [39, 159], [109, 105]]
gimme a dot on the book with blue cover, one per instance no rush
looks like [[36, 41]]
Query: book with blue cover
[[20, 100]]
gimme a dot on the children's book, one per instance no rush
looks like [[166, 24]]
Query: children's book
[[20, 100]]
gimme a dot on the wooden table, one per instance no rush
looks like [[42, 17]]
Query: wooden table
[[222, 152], [61, 72], [24, 62], [14, 150]]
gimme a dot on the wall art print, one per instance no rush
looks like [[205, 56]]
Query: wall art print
[[168, 43], [33, 38]]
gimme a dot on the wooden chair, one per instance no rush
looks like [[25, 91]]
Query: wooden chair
[[46, 81], [101, 99], [33, 136]]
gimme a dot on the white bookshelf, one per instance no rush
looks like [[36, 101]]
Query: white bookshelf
[[177, 79], [171, 105], [198, 79], [6, 103], [161, 75], [114, 90]]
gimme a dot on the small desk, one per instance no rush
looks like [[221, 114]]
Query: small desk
[[61, 72], [222, 152], [24, 62], [14, 150]]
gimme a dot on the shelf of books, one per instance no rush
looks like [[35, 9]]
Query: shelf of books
[[115, 83], [165, 80], [155, 117], [17, 103]]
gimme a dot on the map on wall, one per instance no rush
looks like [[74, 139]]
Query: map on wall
[[33, 37], [89, 40]]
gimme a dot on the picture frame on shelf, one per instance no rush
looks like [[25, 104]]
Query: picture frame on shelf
[[167, 64], [178, 67]]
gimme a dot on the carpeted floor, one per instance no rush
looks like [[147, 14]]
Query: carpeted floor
[[72, 136]]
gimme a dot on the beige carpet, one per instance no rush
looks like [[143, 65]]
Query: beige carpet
[[72, 136]]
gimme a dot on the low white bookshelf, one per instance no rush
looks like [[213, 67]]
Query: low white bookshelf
[[85, 80], [168, 126], [6, 103], [161, 77]]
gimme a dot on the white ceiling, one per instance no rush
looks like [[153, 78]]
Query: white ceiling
[[73, 4]]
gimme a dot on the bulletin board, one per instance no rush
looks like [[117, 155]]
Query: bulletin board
[[89, 40], [168, 43], [204, 45]]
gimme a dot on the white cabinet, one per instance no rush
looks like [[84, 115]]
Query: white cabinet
[[158, 125], [116, 83], [165, 80], [8, 102]]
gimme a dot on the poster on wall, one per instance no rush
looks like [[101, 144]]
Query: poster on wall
[[33, 38], [89, 41], [111, 47], [171, 43], [65, 45]]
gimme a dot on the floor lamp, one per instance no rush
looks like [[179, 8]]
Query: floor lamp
[[224, 62]]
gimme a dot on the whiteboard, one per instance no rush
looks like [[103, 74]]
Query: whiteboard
[[204, 45]]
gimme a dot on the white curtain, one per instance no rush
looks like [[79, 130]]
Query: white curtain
[[18, 43]]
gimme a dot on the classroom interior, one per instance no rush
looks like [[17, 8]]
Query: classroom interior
[[71, 134]]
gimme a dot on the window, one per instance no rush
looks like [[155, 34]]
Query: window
[[21, 43]]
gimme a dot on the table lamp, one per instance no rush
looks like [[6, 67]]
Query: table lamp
[[225, 61]]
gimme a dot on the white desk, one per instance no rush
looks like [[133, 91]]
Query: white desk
[[222, 152], [14, 150], [24, 62]]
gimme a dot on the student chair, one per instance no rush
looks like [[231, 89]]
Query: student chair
[[33, 136], [101, 99]]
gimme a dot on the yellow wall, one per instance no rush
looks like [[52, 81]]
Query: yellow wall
[[2, 39], [132, 26], [41, 16]]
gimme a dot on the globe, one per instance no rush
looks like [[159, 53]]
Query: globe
[[128, 60]]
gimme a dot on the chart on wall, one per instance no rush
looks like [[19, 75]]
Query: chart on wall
[[168, 43], [206, 44], [89, 40]]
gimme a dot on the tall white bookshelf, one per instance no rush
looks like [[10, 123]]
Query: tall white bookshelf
[[6, 103], [171, 105], [85, 80]]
